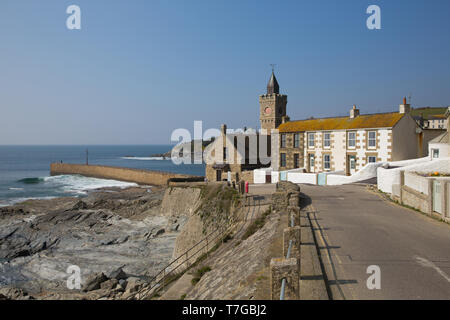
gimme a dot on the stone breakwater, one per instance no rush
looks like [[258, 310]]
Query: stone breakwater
[[143, 177]]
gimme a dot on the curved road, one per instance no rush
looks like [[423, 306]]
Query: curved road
[[356, 228]]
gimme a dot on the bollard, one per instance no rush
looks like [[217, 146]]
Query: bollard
[[281, 268]]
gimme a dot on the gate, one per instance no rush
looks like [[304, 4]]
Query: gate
[[322, 179], [437, 196]]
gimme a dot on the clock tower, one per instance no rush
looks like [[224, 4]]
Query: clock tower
[[272, 106]]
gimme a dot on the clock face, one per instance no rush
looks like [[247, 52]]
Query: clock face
[[267, 110]]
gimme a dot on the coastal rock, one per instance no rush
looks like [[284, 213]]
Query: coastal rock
[[9, 293], [109, 284], [134, 284], [94, 282], [118, 274]]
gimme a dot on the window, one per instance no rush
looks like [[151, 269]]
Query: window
[[283, 160], [372, 139], [371, 159], [296, 160], [326, 162], [311, 140], [326, 140], [283, 141], [296, 140], [351, 137], [224, 154], [435, 153]]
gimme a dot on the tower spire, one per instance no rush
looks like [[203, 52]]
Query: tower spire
[[273, 86]]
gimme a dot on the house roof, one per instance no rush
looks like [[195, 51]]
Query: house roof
[[379, 120], [442, 138]]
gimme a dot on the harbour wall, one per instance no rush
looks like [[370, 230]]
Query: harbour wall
[[138, 176]]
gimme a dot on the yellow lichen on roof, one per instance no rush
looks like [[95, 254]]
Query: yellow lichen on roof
[[380, 120]]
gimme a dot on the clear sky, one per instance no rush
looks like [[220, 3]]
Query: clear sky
[[139, 69]]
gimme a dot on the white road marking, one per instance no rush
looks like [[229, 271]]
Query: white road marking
[[428, 264]]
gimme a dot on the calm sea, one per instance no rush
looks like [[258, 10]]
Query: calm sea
[[24, 170]]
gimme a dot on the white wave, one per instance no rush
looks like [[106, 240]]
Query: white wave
[[145, 158], [16, 189], [80, 185]]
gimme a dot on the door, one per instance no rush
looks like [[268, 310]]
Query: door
[[268, 177], [283, 176], [218, 175], [351, 164], [437, 196], [311, 162], [322, 179]]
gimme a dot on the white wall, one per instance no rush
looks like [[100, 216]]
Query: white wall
[[416, 182], [369, 171], [389, 177], [298, 177]]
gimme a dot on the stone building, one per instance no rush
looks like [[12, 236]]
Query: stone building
[[327, 144], [234, 155], [348, 143]]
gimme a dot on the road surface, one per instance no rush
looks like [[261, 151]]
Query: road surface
[[356, 229]]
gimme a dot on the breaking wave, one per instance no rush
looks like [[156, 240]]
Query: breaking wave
[[80, 185]]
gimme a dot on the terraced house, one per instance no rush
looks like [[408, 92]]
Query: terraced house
[[349, 143]]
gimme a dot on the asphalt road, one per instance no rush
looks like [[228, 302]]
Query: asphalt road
[[356, 228]]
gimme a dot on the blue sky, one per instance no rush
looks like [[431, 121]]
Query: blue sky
[[139, 69]]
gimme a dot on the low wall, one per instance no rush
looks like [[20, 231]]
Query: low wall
[[416, 200], [298, 177], [115, 173], [416, 182]]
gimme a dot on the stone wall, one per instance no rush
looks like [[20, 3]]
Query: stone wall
[[247, 176], [116, 173], [416, 200]]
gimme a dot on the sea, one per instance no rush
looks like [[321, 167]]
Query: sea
[[25, 170]]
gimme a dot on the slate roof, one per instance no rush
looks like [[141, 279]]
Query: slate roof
[[379, 120]]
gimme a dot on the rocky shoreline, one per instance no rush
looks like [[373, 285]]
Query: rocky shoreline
[[118, 238]]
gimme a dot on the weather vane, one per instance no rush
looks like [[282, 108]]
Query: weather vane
[[273, 67]]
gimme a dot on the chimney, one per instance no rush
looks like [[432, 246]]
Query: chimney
[[405, 107], [354, 112]]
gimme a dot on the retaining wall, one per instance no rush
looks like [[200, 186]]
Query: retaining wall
[[138, 176]]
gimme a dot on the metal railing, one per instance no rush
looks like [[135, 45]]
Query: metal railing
[[183, 259], [288, 255]]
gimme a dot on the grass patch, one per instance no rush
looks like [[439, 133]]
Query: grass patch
[[257, 224], [199, 274], [183, 296]]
